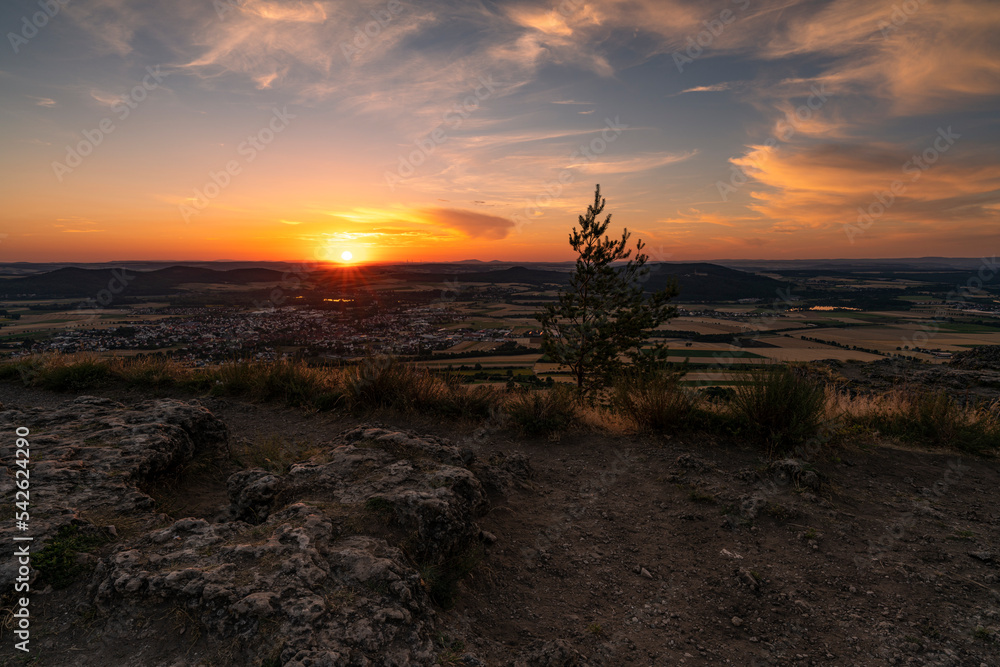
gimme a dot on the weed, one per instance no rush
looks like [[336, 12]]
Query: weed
[[541, 412], [777, 407], [654, 403], [57, 563], [699, 496], [441, 579]]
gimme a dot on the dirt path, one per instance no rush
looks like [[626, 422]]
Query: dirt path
[[637, 553]]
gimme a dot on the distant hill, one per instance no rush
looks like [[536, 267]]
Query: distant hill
[[710, 282], [698, 281], [72, 282]]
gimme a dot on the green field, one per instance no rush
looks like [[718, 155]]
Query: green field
[[738, 354], [964, 327]]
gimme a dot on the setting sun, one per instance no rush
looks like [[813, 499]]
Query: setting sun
[[346, 256]]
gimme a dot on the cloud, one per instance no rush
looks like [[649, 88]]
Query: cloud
[[43, 101], [715, 88], [381, 237], [822, 186], [112, 24], [937, 57], [471, 223], [292, 12], [105, 99], [632, 164], [433, 223]]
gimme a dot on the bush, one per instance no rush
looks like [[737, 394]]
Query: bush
[[653, 403], [75, 375], [932, 418], [384, 382], [542, 411], [441, 580], [57, 563], [718, 394], [292, 382], [143, 371], [776, 407], [26, 370]]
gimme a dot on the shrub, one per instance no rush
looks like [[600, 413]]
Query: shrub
[[26, 369], [776, 407], [653, 403], [292, 382], [441, 580], [384, 382], [542, 411], [718, 394], [57, 563], [74, 375], [927, 417], [147, 371]]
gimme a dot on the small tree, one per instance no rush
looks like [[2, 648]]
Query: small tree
[[604, 318]]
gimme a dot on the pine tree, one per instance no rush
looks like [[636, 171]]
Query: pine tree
[[601, 323]]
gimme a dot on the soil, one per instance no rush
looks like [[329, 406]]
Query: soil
[[638, 550]]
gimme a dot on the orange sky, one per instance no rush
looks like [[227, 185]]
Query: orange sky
[[725, 129]]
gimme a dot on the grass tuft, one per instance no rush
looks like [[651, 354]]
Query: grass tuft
[[777, 408], [543, 411], [58, 562], [657, 403]]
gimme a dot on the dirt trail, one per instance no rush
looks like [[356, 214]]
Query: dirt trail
[[639, 553]]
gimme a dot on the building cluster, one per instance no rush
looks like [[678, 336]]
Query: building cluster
[[215, 334]]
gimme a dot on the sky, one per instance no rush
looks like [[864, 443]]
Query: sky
[[446, 130]]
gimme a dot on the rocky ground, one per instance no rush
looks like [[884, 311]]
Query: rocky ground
[[404, 541]]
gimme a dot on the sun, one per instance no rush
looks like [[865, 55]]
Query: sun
[[347, 255]]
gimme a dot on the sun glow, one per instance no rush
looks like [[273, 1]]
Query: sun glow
[[347, 255]]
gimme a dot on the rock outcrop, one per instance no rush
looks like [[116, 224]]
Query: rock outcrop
[[338, 561]]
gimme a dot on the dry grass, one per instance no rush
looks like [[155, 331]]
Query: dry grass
[[922, 416], [274, 452], [776, 407]]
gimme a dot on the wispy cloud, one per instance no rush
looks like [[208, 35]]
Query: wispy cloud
[[631, 164], [714, 88]]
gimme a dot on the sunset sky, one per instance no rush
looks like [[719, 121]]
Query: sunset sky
[[455, 129]]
